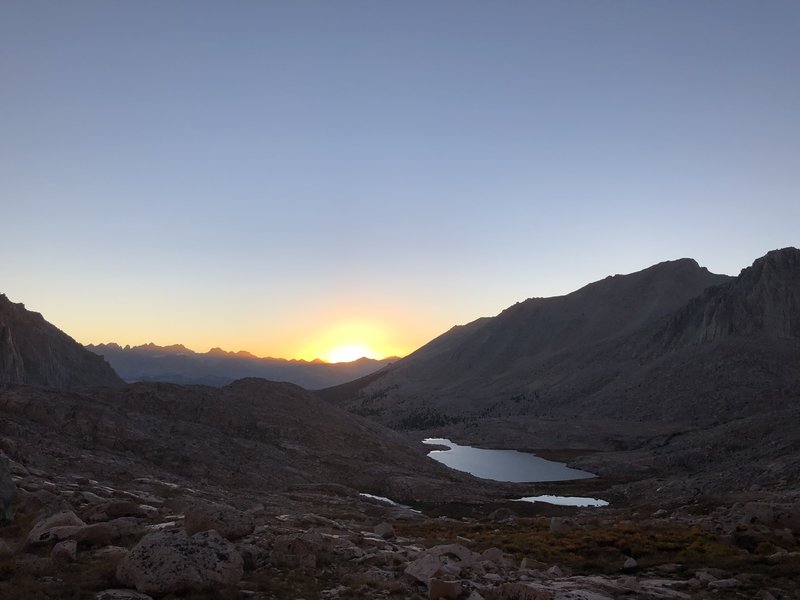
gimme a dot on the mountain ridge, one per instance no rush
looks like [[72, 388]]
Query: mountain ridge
[[596, 351], [178, 364], [35, 352]]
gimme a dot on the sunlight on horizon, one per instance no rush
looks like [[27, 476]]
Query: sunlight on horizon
[[350, 340], [349, 353]]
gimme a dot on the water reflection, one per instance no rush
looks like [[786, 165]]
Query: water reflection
[[502, 465]]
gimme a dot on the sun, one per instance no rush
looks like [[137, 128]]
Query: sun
[[349, 353], [347, 340]]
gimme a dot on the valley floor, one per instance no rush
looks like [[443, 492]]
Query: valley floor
[[75, 537]]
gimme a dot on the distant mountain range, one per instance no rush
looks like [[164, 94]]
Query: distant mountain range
[[671, 343], [178, 364]]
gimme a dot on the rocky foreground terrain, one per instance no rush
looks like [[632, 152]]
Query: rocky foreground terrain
[[68, 535], [259, 490]]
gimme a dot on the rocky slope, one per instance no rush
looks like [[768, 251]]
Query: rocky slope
[[35, 352], [537, 356], [251, 435], [178, 364]]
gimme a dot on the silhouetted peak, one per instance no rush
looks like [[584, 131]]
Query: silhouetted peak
[[669, 268], [108, 346], [784, 261], [150, 347], [180, 348], [217, 352]]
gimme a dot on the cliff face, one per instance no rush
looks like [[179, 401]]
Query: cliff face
[[12, 369], [34, 352], [763, 301]]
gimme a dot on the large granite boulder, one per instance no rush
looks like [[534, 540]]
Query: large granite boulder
[[229, 522], [54, 528], [171, 561]]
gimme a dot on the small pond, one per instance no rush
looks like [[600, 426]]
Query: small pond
[[502, 465], [564, 500]]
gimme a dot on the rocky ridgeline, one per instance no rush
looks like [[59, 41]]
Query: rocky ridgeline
[[151, 539], [672, 344], [36, 352]]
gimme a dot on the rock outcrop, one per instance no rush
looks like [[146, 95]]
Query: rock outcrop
[[171, 561], [34, 352], [764, 301]]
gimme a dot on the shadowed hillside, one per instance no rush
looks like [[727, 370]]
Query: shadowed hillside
[[538, 356], [35, 352]]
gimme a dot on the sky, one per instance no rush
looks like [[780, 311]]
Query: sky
[[299, 178]]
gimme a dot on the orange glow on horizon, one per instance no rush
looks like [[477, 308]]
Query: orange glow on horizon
[[349, 353], [347, 341]]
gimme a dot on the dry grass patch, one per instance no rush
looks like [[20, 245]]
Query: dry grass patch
[[599, 548]]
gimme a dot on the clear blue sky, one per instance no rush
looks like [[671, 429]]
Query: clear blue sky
[[259, 175]]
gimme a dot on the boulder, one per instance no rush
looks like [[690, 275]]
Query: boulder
[[455, 558], [341, 546], [229, 522], [385, 530], [105, 511], [64, 552], [170, 561], [299, 550], [42, 501], [55, 527], [555, 572], [463, 554], [8, 491], [498, 558], [443, 590], [96, 534], [424, 568]]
